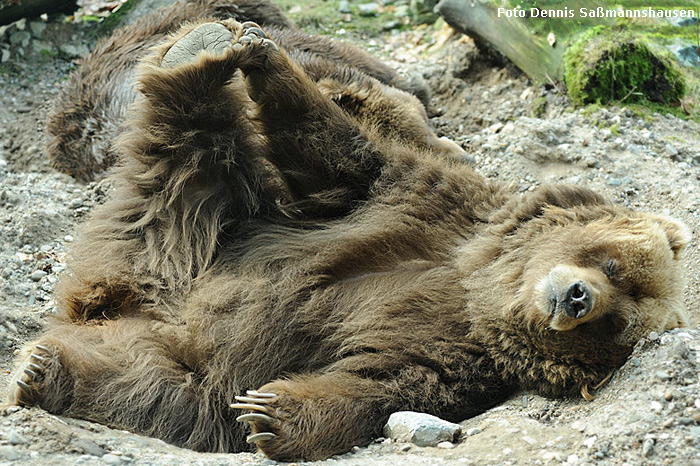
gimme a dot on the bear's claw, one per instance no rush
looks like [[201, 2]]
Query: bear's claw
[[255, 401], [257, 394], [262, 436], [254, 417], [29, 392], [250, 406]]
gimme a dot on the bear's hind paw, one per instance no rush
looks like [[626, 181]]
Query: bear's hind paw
[[210, 37], [30, 378]]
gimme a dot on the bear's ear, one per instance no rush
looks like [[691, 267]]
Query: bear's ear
[[677, 232]]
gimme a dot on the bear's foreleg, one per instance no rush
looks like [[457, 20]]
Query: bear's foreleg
[[312, 417]]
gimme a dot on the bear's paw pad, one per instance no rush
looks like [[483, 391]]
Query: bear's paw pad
[[210, 37]]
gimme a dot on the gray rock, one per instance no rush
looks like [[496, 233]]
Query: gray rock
[[38, 275], [671, 150], [9, 453], [73, 51], [680, 349], [344, 7], [6, 272], [88, 446], [662, 375], [16, 438], [473, 431], [653, 336], [37, 28], [41, 46], [421, 429], [648, 447], [614, 182], [368, 9], [112, 459], [21, 38]]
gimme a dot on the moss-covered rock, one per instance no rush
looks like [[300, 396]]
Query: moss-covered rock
[[606, 65]]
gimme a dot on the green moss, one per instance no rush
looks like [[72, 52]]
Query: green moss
[[539, 106], [605, 65], [113, 21]]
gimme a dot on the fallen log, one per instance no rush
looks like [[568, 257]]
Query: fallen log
[[12, 10], [479, 20]]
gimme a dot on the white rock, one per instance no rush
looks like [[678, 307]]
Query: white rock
[[421, 429]]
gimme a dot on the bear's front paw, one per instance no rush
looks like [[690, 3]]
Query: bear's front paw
[[261, 420]]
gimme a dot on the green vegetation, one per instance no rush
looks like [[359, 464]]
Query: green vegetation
[[607, 65], [113, 21]]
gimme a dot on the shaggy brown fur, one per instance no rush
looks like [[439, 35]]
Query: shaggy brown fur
[[261, 237], [92, 105]]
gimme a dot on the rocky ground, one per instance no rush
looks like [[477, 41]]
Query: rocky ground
[[649, 412]]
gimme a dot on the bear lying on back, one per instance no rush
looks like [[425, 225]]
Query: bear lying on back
[[263, 238]]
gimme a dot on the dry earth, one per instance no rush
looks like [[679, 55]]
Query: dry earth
[[649, 412]]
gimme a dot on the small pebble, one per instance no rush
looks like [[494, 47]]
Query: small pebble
[[696, 417], [38, 275], [445, 445], [9, 453], [405, 447], [590, 441], [648, 447], [680, 349], [109, 458], [671, 150], [653, 336], [668, 396], [473, 431], [662, 375], [16, 438]]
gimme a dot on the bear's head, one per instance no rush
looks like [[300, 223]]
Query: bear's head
[[586, 265]]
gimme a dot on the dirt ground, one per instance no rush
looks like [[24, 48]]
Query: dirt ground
[[514, 131]]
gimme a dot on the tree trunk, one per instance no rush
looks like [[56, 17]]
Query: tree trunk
[[479, 20], [13, 10]]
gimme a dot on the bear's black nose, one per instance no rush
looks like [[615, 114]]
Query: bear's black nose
[[578, 300]]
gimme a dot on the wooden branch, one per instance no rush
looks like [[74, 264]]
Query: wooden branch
[[12, 10]]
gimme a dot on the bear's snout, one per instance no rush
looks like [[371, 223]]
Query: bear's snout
[[578, 300]]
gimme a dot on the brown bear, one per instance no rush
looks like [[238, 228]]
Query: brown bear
[[262, 238], [91, 106]]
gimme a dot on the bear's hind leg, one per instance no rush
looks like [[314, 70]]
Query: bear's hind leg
[[129, 374], [326, 158]]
